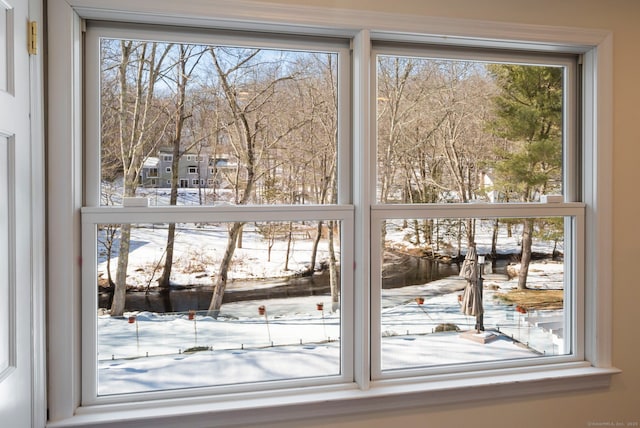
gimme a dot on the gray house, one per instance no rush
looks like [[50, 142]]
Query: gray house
[[194, 170]]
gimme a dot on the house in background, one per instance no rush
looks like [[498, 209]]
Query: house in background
[[149, 174], [195, 171]]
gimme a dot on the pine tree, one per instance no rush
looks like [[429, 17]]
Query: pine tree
[[529, 118]]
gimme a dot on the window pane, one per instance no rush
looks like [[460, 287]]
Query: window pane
[[218, 124], [444, 301], [463, 131], [279, 319]]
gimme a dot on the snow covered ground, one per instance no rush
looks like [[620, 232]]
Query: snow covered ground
[[296, 340]]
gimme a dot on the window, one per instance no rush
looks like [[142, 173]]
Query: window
[[372, 340], [167, 158], [153, 172], [487, 139], [167, 169], [251, 253]]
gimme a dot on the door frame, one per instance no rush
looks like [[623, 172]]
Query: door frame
[[38, 167]]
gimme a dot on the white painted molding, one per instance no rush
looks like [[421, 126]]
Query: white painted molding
[[311, 405], [345, 22], [64, 202], [38, 230]]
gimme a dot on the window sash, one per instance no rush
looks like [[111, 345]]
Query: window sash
[[187, 214], [574, 292], [94, 216], [97, 30], [571, 153]]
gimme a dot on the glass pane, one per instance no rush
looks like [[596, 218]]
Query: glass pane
[[445, 301], [185, 124], [279, 318], [464, 131]]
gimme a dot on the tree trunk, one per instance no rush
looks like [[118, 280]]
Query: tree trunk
[[120, 289], [289, 236], [334, 281], [110, 234], [416, 226], [494, 239], [314, 250], [221, 278], [525, 260], [165, 279], [180, 118]]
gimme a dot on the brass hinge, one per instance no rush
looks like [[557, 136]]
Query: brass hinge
[[33, 38]]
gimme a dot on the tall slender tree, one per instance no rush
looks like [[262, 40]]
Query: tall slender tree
[[529, 116], [138, 70], [249, 87], [188, 58]]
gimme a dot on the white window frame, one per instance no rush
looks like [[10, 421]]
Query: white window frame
[[94, 214], [65, 19], [572, 210]]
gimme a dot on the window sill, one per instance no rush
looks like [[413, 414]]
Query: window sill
[[321, 402]]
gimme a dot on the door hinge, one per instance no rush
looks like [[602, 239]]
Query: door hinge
[[33, 38]]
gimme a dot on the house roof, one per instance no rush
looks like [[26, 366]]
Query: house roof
[[151, 162]]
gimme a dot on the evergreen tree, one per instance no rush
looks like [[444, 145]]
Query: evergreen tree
[[529, 118]]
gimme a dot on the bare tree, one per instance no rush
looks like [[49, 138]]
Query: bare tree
[[188, 58], [138, 70], [249, 90]]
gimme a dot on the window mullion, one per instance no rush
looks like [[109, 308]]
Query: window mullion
[[362, 183]]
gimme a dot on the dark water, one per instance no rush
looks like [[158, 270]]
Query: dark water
[[412, 271]]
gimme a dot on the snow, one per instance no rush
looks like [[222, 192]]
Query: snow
[[294, 339]]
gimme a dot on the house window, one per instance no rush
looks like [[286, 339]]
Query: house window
[[443, 126], [167, 158], [292, 241], [167, 169], [153, 172], [401, 178]]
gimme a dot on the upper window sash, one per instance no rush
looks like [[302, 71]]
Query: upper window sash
[[568, 63], [97, 31]]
